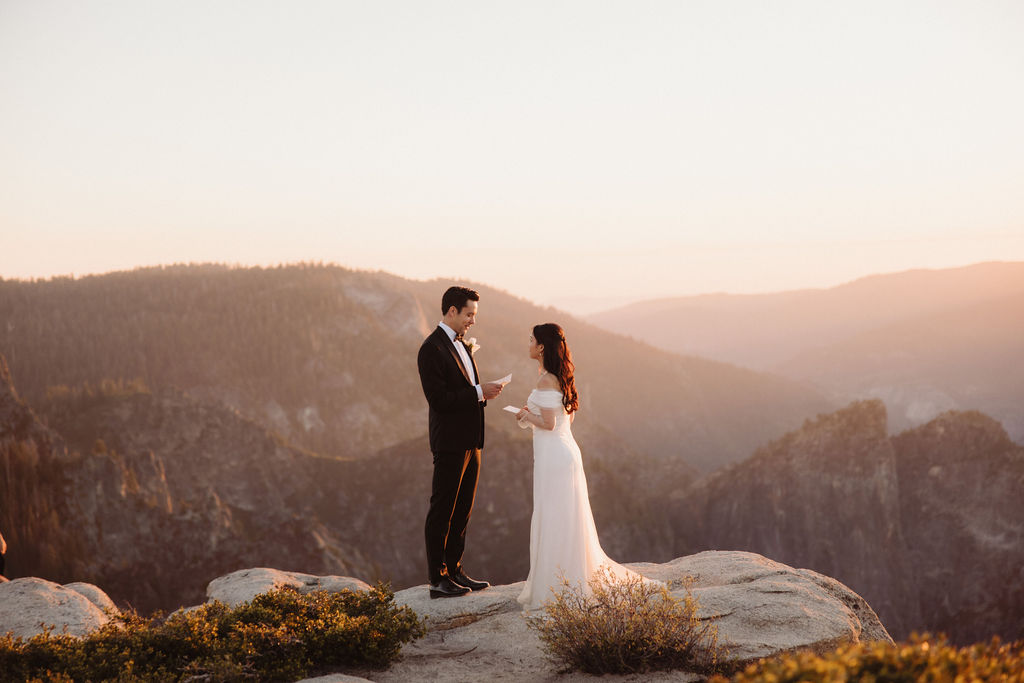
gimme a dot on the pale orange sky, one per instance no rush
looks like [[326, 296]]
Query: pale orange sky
[[578, 154]]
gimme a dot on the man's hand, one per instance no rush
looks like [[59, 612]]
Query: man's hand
[[491, 390]]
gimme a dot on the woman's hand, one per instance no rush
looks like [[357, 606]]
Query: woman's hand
[[521, 415]]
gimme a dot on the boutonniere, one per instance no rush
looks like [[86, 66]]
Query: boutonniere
[[473, 346]]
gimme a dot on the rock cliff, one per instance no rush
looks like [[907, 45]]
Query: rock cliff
[[928, 526], [158, 492], [962, 511]]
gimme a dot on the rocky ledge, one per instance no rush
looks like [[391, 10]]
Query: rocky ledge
[[762, 608]]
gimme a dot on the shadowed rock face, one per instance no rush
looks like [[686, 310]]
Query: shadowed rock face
[[824, 497], [33, 490], [927, 525], [157, 493], [962, 510]]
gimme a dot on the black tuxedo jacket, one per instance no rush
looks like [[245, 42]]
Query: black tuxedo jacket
[[456, 413]]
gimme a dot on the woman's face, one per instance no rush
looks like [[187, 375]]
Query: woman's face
[[535, 349]]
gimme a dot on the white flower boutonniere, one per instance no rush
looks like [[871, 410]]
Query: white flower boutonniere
[[473, 346]]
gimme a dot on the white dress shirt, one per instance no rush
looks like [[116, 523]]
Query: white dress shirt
[[466, 362]]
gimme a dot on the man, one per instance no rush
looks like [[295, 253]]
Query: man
[[456, 399]]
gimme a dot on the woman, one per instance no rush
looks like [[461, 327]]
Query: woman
[[563, 538]]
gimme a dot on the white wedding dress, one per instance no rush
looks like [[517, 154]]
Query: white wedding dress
[[563, 538]]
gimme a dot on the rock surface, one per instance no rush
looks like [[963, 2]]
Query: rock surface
[[245, 584], [29, 604], [93, 594], [761, 608]]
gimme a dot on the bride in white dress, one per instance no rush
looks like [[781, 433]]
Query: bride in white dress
[[563, 538]]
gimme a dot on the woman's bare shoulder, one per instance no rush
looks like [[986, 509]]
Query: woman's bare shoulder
[[547, 381]]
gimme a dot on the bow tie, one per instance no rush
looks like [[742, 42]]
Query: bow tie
[[458, 337]]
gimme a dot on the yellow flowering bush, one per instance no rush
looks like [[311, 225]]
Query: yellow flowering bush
[[922, 658], [278, 636]]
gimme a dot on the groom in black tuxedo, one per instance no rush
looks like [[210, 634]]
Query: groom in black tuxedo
[[456, 399]]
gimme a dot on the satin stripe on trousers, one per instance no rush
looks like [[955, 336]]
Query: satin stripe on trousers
[[451, 504]]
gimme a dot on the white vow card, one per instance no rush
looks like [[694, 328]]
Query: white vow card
[[511, 409], [504, 380]]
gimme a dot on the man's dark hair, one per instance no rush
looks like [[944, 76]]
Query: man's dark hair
[[457, 297]]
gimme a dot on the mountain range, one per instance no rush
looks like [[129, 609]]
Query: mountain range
[[924, 341], [153, 494], [170, 434]]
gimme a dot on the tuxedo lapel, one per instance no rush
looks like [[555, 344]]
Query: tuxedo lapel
[[476, 373], [442, 340], [458, 359]]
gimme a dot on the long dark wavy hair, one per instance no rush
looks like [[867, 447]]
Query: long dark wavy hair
[[557, 360]]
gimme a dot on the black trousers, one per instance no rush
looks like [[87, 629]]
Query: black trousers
[[451, 503]]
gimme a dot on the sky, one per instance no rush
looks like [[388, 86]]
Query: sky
[[579, 154]]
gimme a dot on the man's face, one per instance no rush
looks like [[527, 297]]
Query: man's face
[[464, 319]]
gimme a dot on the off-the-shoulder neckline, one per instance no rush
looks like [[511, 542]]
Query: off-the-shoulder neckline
[[557, 391]]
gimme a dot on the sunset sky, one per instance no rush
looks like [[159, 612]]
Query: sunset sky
[[580, 154]]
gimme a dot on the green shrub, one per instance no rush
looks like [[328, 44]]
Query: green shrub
[[278, 636], [626, 626], [923, 658]]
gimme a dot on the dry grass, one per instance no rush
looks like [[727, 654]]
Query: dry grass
[[626, 626]]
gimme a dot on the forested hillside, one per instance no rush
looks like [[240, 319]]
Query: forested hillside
[[326, 357]]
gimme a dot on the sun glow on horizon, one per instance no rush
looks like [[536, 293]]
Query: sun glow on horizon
[[575, 155]]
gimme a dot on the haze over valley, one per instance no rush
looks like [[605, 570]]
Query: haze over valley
[[924, 341]]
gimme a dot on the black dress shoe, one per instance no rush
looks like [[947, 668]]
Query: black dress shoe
[[445, 588], [472, 584]]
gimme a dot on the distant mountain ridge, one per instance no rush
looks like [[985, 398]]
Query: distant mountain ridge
[[969, 357], [925, 341]]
